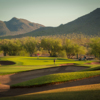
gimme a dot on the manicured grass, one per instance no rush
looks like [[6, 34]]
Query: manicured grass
[[34, 61], [84, 92], [31, 63], [60, 77]]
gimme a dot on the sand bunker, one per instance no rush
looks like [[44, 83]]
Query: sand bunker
[[25, 76], [7, 62]]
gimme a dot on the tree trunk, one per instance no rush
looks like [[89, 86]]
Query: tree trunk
[[77, 56], [99, 58], [4, 53], [30, 55]]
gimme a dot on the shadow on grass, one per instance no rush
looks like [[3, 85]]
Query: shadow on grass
[[7, 62], [73, 95], [20, 91], [80, 95]]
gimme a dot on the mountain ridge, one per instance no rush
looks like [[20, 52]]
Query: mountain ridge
[[88, 24], [17, 26]]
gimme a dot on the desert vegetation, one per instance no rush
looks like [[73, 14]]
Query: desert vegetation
[[54, 46]]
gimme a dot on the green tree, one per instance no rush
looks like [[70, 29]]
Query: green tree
[[52, 45], [68, 47], [73, 49], [14, 46], [95, 47], [4, 46], [30, 45]]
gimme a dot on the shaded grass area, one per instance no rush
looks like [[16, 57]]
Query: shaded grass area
[[85, 92], [54, 78]]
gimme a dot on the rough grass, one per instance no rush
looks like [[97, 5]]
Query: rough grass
[[84, 92], [60, 77]]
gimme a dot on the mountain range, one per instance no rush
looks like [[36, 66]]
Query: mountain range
[[88, 24], [17, 26]]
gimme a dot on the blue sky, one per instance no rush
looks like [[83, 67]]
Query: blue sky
[[47, 12]]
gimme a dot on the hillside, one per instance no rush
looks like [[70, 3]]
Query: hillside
[[17, 26], [3, 29], [88, 25]]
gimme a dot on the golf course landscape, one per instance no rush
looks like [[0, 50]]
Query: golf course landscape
[[50, 50], [39, 78]]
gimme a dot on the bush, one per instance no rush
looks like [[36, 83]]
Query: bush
[[62, 54], [22, 53]]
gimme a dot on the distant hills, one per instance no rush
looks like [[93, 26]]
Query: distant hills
[[17, 26], [88, 25]]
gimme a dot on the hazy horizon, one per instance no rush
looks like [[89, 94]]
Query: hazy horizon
[[46, 12]]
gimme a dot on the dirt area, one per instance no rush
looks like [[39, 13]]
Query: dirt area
[[3, 87], [7, 80], [6, 63], [94, 63], [67, 64]]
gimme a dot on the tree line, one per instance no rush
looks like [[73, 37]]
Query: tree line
[[56, 47]]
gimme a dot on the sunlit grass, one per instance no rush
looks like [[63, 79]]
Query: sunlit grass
[[36, 61], [31, 63]]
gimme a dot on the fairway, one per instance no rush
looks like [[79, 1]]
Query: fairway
[[31, 63], [37, 61]]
